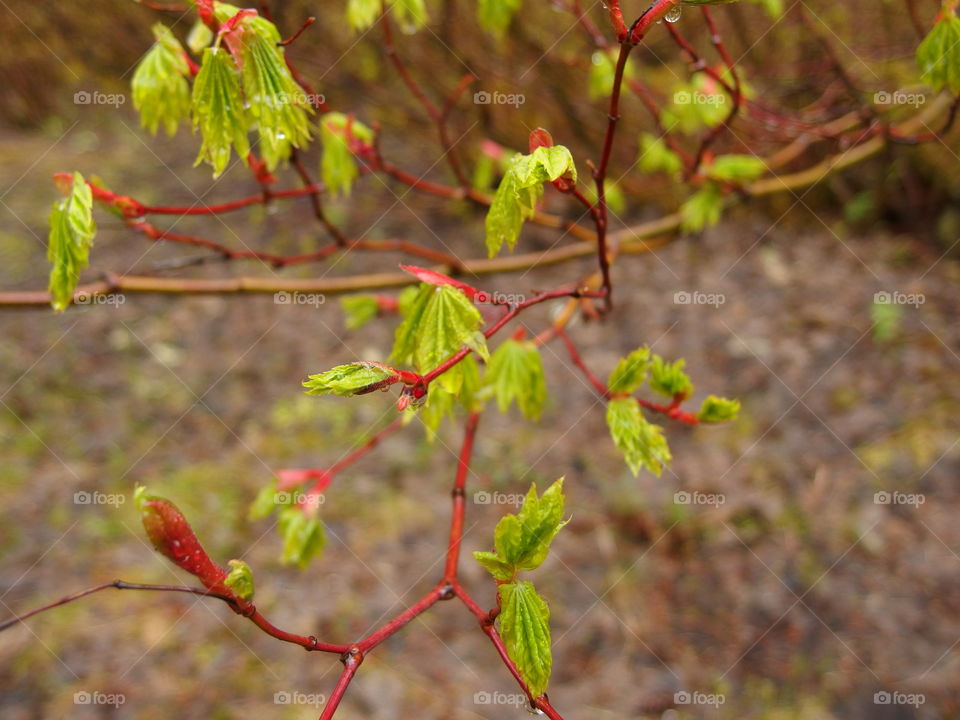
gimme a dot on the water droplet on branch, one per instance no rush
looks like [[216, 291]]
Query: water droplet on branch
[[673, 14]]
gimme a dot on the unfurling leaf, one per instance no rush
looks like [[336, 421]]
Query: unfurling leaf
[[522, 540], [669, 378], [276, 103], [161, 93], [717, 410], [439, 322], [630, 373], [218, 110], [303, 536], [352, 379], [524, 624], [495, 15], [199, 37], [939, 55], [240, 580], [515, 373], [641, 442], [520, 190], [71, 236], [171, 535], [338, 168]]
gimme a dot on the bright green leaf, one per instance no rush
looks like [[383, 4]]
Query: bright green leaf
[[495, 15], [515, 373], [524, 623], [161, 92], [71, 236], [702, 209], [338, 168], [522, 540], [939, 55], [717, 409], [655, 156], [362, 14], [199, 37], [736, 168], [630, 373], [519, 191], [641, 442], [264, 503], [218, 110], [497, 567], [411, 14], [359, 309], [240, 580], [303, 536], [350, 379], [669, 378]]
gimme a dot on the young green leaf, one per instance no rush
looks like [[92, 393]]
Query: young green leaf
[[495, 15], [702, 209], [630, 373], [303, 536], [438, 323], [240, 580], [641, 442], [338, 168], [523, 540], [939, 55], [520, 190], [499, 568], [359, 310], [352, 379], [362, 14], [717, 410], [669, 378], [264, 503], [655, 156], [276, 103], [71, 236], [161, 93], [602, 74], [218, 110], [515, 373], [736, 168], [524, 624], [199, 37]]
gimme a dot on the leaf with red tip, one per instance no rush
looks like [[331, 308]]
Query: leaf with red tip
[[434, 278], [171, 535], [540, 138]]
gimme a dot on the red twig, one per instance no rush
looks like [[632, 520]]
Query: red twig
[[306, 23], [459, 499]]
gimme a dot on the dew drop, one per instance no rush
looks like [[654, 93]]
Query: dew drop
[[673, 14]]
